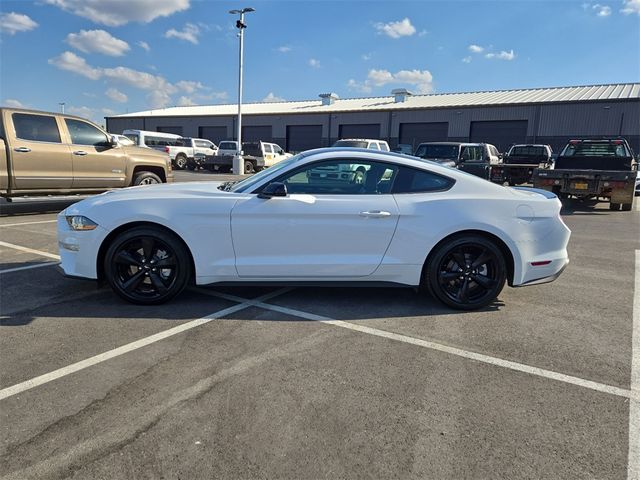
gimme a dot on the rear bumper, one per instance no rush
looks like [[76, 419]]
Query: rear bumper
[[547, 279]]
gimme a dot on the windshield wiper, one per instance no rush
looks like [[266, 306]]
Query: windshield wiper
[[226, 186]]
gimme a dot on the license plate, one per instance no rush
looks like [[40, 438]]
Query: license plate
[[580, 186]]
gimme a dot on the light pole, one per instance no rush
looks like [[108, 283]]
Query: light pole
[[61, 107], [238, 164]]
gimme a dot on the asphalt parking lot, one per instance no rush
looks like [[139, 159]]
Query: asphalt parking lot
[[309, 383]]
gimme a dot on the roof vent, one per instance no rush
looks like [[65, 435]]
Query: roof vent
[[328, 98], [401, 94]]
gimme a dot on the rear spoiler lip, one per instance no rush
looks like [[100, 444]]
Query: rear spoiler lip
[[545, 193]]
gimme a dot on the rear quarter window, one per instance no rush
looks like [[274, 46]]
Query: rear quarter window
[[412, 180], [40, 128]]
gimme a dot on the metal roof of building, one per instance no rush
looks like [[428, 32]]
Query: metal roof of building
[[586, 93]]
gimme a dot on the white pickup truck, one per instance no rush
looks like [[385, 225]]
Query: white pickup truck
[[256, 156], [183, 155]]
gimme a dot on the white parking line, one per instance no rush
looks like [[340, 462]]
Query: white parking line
[[479, 357], [26, 223], [28, 267], [633, 465], [143, 342], [30, 250]]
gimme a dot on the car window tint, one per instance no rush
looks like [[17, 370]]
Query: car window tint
[[341, 177], [374, 146], [41, 128], [83, 133], [411, 180], [384, 147], [267, 148]]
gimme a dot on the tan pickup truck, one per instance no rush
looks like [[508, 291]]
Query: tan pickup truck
[[45, 153]]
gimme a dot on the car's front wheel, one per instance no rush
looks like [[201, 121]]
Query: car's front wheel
[[147, 265], [466, 273]]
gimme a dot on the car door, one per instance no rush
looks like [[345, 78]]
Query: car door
[[332, 224], [473, 161], [96, 164], [40, 159]]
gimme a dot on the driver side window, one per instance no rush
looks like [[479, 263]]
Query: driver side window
[[342, 177], [83, 133]]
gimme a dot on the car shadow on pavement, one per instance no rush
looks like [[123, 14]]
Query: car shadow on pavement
[[583, 207]]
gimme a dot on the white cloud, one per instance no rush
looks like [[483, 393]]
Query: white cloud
[[284, 49], [631, 6], [476, 48], [403, 28], [108, 111], [73, 63], [189, 86], [116, 95], [83, 111], [158, 88], [118, 12], [144, 45], [467, 59], [98, 41], [422, 33], [13, 103], [220, 96], [314, 63], [189, 33], [185, 102], [366, 56], [502, 55], [602, 10], [13, 22], [272, 98], [421, 80]]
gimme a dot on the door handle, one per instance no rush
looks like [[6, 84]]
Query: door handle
[[80, 152], [375, 214], [22, 149]]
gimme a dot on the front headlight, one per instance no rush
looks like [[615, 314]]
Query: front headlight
[[79, 222]]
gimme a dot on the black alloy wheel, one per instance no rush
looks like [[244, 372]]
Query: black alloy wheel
[[147, 266], [466, 273]]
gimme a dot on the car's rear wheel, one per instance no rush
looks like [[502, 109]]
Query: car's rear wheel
[[147, 265], [248, 167], [181, 161], [467, 272]]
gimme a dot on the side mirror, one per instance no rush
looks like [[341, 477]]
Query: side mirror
[[113, 141], [275, 189]]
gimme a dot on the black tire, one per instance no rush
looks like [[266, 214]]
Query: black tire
[[181, 161], [132, 261], [146, 178], [466, 272], [614, 206], [248, 167], [626, 207]]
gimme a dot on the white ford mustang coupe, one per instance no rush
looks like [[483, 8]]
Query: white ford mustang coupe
[[324, 216]]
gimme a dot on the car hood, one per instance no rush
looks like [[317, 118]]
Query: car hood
[[138, 152], [442, 161], [164, 191]]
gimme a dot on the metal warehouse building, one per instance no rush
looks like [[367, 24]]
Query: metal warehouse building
[[542, 115]]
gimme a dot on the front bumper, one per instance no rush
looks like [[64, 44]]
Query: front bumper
[[79, 249]]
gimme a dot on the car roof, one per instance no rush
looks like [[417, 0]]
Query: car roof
[[360, 140]]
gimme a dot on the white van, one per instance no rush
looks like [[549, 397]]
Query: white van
[[155, 140]]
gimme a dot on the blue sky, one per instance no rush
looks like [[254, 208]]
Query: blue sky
[[103, 57]]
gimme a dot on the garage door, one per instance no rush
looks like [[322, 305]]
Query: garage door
[[256, 133], [502, 134], [371, 130], [303, 137], [215, 134], [174, 130], [416, 133]]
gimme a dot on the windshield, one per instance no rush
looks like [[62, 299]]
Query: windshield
[[528, 151], [248, 183], [596, 149], [438, 151], [351, 143], [227, 146]]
